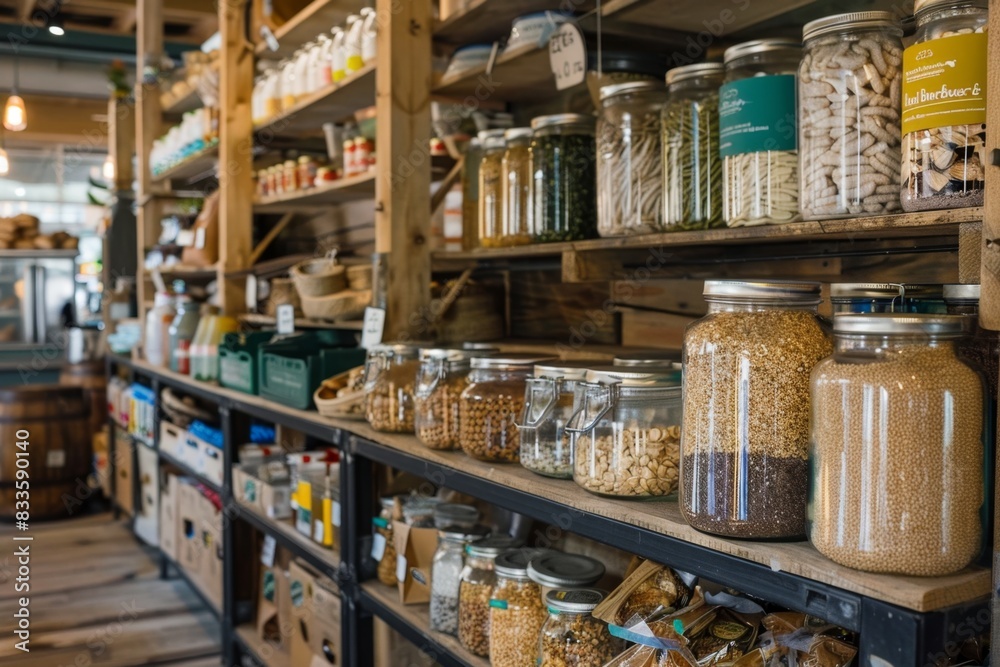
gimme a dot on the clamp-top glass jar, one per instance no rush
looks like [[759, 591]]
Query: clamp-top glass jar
[[516, 611], [849, 98], [491, 187], [548, 406], [897, 453], [476, 590], [692, 168], [515, 168], [564, 178], [630, 163], [626, 432], [390, 380], [443, 376], [571, 635], [944, 153], [757, 133], [745, 443]]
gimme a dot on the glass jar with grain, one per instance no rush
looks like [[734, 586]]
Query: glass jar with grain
[[390, 380], [476, 590], [443, 376], [571, 635], [516, 611]]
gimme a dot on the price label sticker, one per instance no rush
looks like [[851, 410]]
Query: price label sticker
[[568, 56], [336, 514], [371, 335], [286, 319], [267, 553], [401, 568], [378, 546], [318, 532]]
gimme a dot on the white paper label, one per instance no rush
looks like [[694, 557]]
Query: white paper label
[[318, 532], [336, 514], [378, 546], [401, 568], [371, 334], [199, 238], [270, 511], [568, 56], [56, 458], [267, 553], [286, 319]]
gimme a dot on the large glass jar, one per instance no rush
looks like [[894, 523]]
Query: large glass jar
[[515, 172], [390, 380], [443, 376], [571, 636], [862, 298], [745, 436], [564, 178], [897, 450], [548, 405], [554, 570], [383, 547], [757, 133], [692, 168], [446, 572], [476, 590], [491, 404], [849, 100], [626, 432], [491, 215], [630, 164], [944, 153], [516, 611]]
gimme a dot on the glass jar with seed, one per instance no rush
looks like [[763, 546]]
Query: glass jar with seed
[[571, 636], [446, 571], [515, 172], [443, 376], [548, 405], [476, 589], [516, 611], [692, 168], [491, 187], [390, 380], [745, 434], [897, 451], [564, 179]]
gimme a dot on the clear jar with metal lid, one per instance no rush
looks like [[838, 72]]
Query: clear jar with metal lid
[[944, 152], [491, 404], [390, 381], [446, 573], [757, 133], [659, 358], [555, 570], [548, 405], [516, 611], [564, 185], [886, 298], [897, 451], [626, 432], [515, 172], [491, 188], [571, 635], [629, 159], [476, 590], [745, 443], [849, 100], [692, 167], [443, 376], [460, 515], [418, 511], [383, 547]]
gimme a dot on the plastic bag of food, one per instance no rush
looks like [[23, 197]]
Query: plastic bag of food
[[796, 640], [648, 589]]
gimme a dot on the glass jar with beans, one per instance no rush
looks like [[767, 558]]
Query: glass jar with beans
[[849, 130], [390, 380], [745, 443], [446, 571], [692, 168], [476, 589], [944, 153], [443, 376], [629, 159], [491, 404], [491, 187], [757, 133], [516, 611], [897, 450], [571, 635], [564, 178], [548, 405], [626, 432], [383, 547], [515, 173]]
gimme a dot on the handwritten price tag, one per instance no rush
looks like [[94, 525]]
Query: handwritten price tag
[[568, 56], [286, 319], [371, 334]]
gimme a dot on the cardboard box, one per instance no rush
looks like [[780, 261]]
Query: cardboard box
[[209, 572], [273, 501], [168, 515], [211, 462], [316, 634], [190, 452], [123, 470], [415, 549], [189, 549], [147, 516], [172, 439]]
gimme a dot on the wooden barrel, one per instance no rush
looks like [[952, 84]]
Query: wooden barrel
[[90, 376], [50, 423]]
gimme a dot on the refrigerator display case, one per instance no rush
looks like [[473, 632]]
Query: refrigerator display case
[[36, 298]]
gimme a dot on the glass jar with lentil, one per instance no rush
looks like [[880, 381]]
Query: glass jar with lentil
[[476, 590], [564, 178], [515, 172], [443, 376], [745, 429], [516, 611], [491, 215], [897, 450], [548, 405], [491, 404], [390, 380], [571, 636]]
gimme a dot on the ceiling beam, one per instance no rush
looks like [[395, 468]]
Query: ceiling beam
[[24, 8]]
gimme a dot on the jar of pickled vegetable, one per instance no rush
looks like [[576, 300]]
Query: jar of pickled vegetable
[[515, 168], [491, 188], [390, 380], [516, 611], [564, 178], [571, 636], [548, 406], [443, 376], [476, 590]]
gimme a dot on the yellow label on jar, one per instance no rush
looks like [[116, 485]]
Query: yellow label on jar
[[944, 83]]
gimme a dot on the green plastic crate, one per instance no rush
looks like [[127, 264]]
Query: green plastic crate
[[238, 358], [291, 369]]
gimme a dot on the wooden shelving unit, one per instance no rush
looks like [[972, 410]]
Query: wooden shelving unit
[[258, 320], [197, 166], [336, 192], [319, 16], [517, 76], [174, 106], [333, 103]]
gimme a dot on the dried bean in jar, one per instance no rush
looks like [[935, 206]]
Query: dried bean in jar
[[629, 462]]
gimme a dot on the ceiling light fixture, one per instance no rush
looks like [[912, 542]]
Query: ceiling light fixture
[[56, 26], [15, 116]]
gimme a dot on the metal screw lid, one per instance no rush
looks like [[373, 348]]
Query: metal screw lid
[[514, 563], [575, 601], [805, 292], [567, 370], [508, 361], [463, 534], [678, 74], [578, 121], [448, 513], [760, 46], [883, 290], [516, 133], [491, 547], [559, 570], [920, 5], [655, 357], [447, 354], [616, 89], [871, 20], [954, 293], [654, 376], [890, 324]]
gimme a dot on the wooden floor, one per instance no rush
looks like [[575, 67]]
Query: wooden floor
[[96, 599]]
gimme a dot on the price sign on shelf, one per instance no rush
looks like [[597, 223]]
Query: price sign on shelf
[[286, 319], [371, 333], [568, 56]]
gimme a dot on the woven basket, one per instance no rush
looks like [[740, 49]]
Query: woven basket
[[340, 306], [360, 276], [318, 277], [283, 292], [349, 406]]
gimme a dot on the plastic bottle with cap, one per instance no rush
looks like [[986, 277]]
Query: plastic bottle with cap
[[338, 55], [352, 44]]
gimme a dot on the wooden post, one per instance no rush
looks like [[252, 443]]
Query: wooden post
[[235, 155], [402, 191], [121, 142]]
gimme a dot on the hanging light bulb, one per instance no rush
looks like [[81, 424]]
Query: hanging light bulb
[[4, 162], [15, 116]]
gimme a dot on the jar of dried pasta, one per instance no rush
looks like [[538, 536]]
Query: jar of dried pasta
[[476, 590], [548, 405], [390, 381], [571, 635], [516, 611], [757, 133], [897, 450]]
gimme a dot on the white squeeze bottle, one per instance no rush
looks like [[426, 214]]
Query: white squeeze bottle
[[338, 60], [319, 64], [302, 73], [352, 45], [368, 37], [158, 320]]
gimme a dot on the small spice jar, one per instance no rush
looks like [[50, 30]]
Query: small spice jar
[[571, 635], [757, 133], [491, 404], [516, 611], [515, 168], [745, 442], [625, 434], [390, 379], [692, 168], [446, 571], [862, 298], [443, 376], [383, 548], [476, 590], [491, 188], [944, 153], [897, 449], [263, 184], [849, 100], [290, 176], [563, 191], [548, 406], [630, 164]]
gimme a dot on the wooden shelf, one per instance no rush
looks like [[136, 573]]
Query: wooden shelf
[[318, 17], [518, 76], [173, 106], [271, 654], [332, 103], [185, 272], [325, 560], [258, 320], [337, 192], [194, 167]]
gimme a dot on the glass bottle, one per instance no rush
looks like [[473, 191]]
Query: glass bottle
[[476, 589], [564, 178], [181, 332], [515, 172], [470, 194], [571, 635], [491, 215], [383, 547]]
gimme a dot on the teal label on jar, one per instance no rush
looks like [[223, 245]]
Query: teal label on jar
[[498, 604], [758, 114]]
